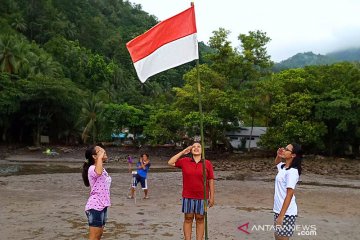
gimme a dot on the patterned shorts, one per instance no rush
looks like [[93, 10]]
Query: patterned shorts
[[190, 205], [288, 227]]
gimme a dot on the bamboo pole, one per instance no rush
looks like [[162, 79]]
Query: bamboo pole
[[202, 145]]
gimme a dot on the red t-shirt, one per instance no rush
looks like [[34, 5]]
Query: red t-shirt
[[192, 172]]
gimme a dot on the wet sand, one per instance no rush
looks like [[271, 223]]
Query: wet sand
[[46, 199]]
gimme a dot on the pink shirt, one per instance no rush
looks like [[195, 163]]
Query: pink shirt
[[100, 190]]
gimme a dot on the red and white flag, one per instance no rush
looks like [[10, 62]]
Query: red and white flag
[[168, 44]]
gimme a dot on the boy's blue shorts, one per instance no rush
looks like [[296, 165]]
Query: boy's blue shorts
[[138, 179]]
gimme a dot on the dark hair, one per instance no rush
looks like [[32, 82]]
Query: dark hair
[[90, 151], [296, 162], [144, 154]]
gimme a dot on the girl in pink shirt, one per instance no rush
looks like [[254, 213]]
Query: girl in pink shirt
[[95, 176]]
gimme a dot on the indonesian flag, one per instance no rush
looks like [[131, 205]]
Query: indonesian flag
[[168, 44]]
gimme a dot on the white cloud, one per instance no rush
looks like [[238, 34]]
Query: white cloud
[[294, 26]]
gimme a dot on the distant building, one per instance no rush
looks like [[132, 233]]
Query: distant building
[[116, 136], [124, 137], [240, 138]]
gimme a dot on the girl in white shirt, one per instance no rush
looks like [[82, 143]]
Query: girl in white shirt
[[285, 207]]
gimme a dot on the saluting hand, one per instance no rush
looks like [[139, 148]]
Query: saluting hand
[[100, 153], [187, 150], [280, 152]]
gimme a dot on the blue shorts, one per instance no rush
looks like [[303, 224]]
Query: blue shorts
[[138, 179], [96, 218], [190, 205]]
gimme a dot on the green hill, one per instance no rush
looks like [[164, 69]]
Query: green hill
[[309, 58], [350, 55]]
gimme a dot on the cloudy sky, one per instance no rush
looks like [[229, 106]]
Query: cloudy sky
[[320, 26]]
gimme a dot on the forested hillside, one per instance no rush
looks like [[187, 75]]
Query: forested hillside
[[308, 59], [65, 73], [80, 43], [350, 55]]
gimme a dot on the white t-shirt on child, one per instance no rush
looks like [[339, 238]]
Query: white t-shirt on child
[[285, 179]]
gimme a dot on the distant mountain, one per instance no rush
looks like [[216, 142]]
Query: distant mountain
[[309, 58], [350, 55]]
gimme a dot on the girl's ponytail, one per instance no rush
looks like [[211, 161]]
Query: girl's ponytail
[[90, 151]]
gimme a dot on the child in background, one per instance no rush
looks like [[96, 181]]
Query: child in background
[[143, 167], [130, 162]]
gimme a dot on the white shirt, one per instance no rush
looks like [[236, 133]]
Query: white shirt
[[285, 179]]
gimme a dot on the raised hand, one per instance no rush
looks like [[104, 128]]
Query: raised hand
[[187, 150]]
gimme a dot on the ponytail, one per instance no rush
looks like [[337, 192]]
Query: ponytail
[[296, 162], [90, 151]]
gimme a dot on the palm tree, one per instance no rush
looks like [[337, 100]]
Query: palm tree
[[109, 91], [90, 114], [12, 54], [45, 65], [19, 24]]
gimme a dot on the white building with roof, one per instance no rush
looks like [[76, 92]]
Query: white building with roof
[[242, 137]]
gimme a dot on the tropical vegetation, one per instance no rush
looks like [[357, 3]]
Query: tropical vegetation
[[65, 73]]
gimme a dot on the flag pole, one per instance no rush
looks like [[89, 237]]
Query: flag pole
[[202, 142], [202, 145]]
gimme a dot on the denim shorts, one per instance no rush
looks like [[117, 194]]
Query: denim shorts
[[96, 218]]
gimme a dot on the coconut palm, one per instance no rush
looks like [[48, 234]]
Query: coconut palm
[[12, 54], [45, 65], [19, 24], [90, 114]]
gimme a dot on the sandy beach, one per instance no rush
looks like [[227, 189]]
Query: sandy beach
[[43, 197]]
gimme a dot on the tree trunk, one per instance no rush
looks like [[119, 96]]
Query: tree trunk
[[251, 131], [4, 133], [38, 129], [3, 137], [37, 137], [355, 149]]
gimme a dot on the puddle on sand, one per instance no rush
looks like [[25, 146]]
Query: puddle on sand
[[329, 185], [26, 169], [6, 170], [11, 169], [251, 209], [234, 176]]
